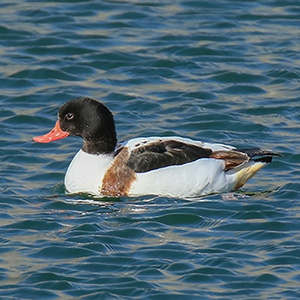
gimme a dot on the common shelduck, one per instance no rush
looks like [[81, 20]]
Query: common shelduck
[[164, 166]]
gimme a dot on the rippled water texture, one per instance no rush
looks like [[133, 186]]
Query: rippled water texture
[[218, 71]]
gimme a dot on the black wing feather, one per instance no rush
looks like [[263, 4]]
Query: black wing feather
[[164, 153]]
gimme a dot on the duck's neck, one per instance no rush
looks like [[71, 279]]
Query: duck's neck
[[104, 145]]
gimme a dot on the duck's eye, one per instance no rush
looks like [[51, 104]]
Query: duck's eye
[[69, 116]]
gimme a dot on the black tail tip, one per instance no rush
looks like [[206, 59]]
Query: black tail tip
[[264, 153], [266, 159]]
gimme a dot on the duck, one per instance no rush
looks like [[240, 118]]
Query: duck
[[170, 166]]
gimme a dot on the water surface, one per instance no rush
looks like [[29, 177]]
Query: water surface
[[225, 71]]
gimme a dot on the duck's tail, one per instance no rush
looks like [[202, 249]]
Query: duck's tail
[[258, 159], [258, 154], [245, 172]]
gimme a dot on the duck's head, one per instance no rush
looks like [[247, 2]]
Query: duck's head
[[88, 119]]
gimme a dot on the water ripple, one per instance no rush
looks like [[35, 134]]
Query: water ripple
[[222, 71]]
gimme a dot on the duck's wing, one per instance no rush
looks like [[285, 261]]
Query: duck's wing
[[154, 153], [236, 157], [164, 153]]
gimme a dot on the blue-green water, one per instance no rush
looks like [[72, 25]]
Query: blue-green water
[[218, 71]]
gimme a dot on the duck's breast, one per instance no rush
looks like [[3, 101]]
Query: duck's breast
[[86, 171]]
